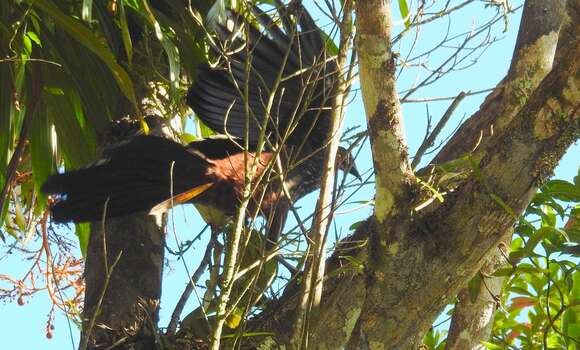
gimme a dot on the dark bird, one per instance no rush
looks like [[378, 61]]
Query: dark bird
[[289, 89]]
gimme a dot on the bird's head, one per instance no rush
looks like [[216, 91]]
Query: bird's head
[[345, 162]]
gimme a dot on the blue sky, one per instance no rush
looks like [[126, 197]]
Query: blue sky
[[22, 327]]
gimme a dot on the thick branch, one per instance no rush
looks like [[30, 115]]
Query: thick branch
[[384, 115], [473, 315], [411, 270], [569, 31], [314, 275], [398, 307]]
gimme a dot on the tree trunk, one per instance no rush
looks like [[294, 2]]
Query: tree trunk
[[123, 282], [124, 268]]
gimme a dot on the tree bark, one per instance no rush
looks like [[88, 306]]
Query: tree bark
[[472, 320], [384, 115], [398, 308], [125, 301], [475, 309], [124, 267], [410, 264]]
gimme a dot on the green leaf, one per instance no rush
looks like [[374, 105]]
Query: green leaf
[[575, 292], [432, 189], [234, 318], [548, 216], [6, 136], [404, 8], [188, 138], [356, 225], [491, 346], [88, 39], [431, 338], [457, 165], [540, 234], [359, 265], [99, 95], [41, 150], [247, 334], [203, 130], [562, 190], [33, 37], [83, 232], [76, 145], [169, 48], [18, 215], [87, 10], [331, 47], [125, 35], [216, 14], [568, 318], [573, 331]]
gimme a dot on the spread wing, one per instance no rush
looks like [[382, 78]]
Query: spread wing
[[282, 68]]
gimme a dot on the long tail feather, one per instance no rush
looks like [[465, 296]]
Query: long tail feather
[[134, 177]]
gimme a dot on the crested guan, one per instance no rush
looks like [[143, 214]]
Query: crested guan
[[278, 80]]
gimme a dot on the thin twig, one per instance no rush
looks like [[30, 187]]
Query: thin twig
[[446, 98], [314, 274], [428, 142], [189, 288]]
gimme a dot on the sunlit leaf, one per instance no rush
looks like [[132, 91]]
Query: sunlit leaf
[[19, 219], [537, 238], [355, 225], [169, 48], [187, 137], [404, 9], [331, 47], [573, 331], [234, 318], [203, 130], [575, 292], [87, 10], [548, 217], [562, 190], [83, 232], [491, 346]]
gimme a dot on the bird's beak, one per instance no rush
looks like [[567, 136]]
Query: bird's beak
[[354, 172]]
